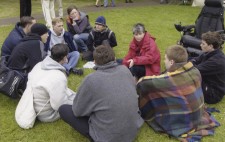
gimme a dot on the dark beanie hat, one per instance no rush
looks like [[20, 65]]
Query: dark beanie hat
[[39, 29], [100, 21]]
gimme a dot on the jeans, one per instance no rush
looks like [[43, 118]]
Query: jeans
[[106, 3], [80, 40], [119, 61], [73, 58]]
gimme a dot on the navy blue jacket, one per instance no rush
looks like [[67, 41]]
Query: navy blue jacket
[[27, 53], [68, 39], [12, 40]]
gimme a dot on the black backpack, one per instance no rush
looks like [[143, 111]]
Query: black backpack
[[12, 82]]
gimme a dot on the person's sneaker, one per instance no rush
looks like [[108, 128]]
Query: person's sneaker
[[77, 71]]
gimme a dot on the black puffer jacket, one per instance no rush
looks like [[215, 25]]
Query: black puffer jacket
[[96, 38]]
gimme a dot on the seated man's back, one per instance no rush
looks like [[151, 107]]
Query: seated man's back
[[178, 92], [108, 99], [49, 85]]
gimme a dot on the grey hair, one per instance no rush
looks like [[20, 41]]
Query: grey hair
[[138, 28]]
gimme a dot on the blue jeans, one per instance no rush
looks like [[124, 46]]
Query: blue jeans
[[73, 58], [80, 40], [119, 61], [106, 3]]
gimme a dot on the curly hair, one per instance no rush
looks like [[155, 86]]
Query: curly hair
[[213, 38]]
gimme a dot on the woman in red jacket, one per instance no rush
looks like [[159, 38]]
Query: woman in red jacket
[[143, 58]]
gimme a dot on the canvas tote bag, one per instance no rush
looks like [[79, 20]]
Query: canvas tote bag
[[25, 114]]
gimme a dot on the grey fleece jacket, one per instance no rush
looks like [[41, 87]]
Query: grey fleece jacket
[[108, 96], [83, 25]]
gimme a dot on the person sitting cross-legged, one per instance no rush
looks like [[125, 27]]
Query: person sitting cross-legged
[[143, 57], [100, 35], [79, 26], [105, 108], [48, 83], [173, 102], [58, 35]]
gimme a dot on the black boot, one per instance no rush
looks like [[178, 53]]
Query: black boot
[[77, 71]]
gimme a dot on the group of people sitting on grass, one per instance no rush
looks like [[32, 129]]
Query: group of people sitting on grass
[[112, 103]]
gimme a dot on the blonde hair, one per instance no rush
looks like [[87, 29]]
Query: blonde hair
[[56, 20], [177, 53]]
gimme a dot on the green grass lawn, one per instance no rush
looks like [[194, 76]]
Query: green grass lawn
[[159, 22]]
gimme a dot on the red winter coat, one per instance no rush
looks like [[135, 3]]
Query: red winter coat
[[144, 53]]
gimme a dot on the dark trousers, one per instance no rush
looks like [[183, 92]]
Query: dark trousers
[[25, 8], [88, 55], [211, 95], [138, 71], [78, 123], [128, 1]]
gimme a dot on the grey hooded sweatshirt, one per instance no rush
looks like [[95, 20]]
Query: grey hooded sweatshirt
[[49, 86]]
